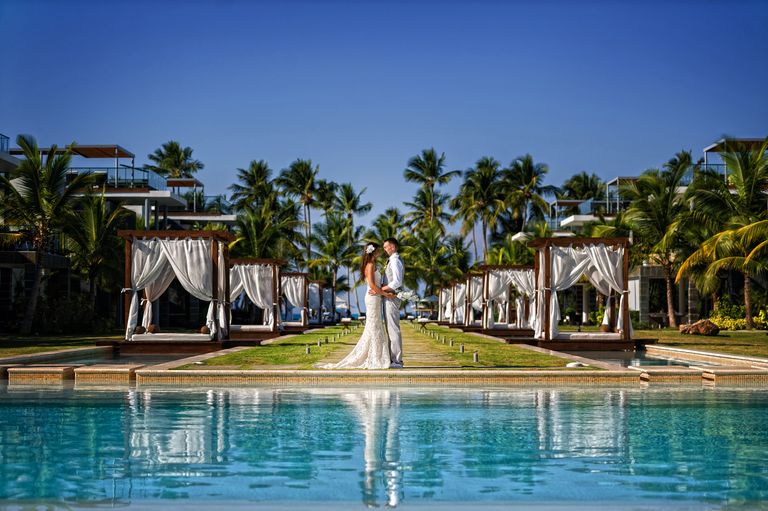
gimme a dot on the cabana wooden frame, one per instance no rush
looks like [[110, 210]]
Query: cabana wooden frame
[[219, 236], [543, 246]]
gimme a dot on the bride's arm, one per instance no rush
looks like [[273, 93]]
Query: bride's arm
[[371, 281]]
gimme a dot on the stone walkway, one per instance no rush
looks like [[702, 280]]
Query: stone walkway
[[417, 350]]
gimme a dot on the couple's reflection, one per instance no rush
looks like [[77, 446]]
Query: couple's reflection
[[377, 410]]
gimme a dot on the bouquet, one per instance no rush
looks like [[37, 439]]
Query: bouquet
[[406, 295]]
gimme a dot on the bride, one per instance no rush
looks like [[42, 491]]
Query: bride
[[372, 350]]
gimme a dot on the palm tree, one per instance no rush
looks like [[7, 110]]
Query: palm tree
[[509, 251], [332, 249], [254, 185], [655, 213], [390, 224], [39, 200], [325, 197], [735, 210], [299, 180], [91, 237], [480, 198], [582, 186], [426, 169], [350, 203], [427, 255], [171, 160], [428, 207], [268, 230], [523, 182]]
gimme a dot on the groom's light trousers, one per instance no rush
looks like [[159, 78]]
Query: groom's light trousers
[[392, 318]]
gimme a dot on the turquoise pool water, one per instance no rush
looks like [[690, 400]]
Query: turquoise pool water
[[690, 448]]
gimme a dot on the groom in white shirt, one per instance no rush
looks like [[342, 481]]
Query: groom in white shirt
[[394, 281]]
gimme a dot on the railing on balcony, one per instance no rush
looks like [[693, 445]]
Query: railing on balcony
[[200, 203], [4, 141], [124, 177], [24, 244]]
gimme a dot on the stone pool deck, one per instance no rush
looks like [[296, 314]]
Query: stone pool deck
[[44, 369]]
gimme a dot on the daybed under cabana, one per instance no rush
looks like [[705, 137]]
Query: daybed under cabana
[[199, 260], [259, 280], [293, 286], [315, 302], [504, 285], [560, 263]]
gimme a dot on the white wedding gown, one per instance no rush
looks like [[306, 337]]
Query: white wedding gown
[[372, 350]]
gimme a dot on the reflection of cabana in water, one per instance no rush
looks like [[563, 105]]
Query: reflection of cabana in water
[[560, 263], [294, 295], [503, 286], [258, 280], [315, 302], [199, 260]]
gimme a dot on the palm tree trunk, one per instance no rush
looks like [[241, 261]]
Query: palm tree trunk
[[308, 217], [474, 240], [92, 289], [485, 241], [670, 301], [748, 302], [29, 314]]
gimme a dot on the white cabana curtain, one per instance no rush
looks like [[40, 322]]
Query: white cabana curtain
[[498, 292], [155, 290], [608, 268], [256, 281], [445, 303], [191, 262], [293, 289], [314, 300], [449, 306], [188, 259], [525, 283], [459, 299], [148, 264]]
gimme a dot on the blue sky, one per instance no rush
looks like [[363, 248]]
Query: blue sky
[[359, 87]]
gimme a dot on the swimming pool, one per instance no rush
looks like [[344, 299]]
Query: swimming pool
[[694, 448], [636, 358], [110, 358]]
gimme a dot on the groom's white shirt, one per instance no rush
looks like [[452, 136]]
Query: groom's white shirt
[[394, 272]]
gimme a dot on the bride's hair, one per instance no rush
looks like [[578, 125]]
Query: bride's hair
[[368, 251]]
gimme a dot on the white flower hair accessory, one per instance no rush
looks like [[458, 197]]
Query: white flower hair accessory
[[369, 249]]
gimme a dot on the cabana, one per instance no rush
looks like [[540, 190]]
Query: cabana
[[200, 262], [444, 305], [258, 279], [500, 285], [559, 264], [294, 294], [329, 306], [315, 301]]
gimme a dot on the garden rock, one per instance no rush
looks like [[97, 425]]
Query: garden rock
[[703, 327]]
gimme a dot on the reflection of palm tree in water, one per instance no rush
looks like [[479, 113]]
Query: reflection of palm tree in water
[[382, 473]]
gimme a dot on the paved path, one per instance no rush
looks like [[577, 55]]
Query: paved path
[[417, 350]]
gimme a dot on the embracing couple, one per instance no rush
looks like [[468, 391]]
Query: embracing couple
[[377, 348]]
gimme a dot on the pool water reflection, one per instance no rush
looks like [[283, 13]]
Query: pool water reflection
[[384, 447]]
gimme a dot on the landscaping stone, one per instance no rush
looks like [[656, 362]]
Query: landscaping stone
[[703, 327]]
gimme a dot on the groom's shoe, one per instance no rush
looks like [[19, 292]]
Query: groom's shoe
[[396, 365]]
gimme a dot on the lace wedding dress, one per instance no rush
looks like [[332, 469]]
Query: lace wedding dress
[[372, 350]]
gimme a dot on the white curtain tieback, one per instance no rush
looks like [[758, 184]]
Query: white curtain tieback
[[127, 290]]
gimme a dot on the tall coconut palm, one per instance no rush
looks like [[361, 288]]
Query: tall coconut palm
[[390, 224], [427, 169], [268, 230], [332, 250], [172, 160], [254, 185], [91, 238], [654, 214], [480, 198], [427, 254], [509, 251], [735, 209], [428, 207], [350, 203], [299, 180], [38, 199], [523, 181]]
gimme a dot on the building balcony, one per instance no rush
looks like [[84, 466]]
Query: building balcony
[[123, 177]]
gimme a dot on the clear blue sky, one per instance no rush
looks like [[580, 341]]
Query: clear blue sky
[[359, 87]]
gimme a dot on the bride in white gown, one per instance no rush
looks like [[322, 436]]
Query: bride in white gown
[[372, 350]]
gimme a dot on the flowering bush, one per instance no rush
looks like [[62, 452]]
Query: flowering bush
[[730, 316]]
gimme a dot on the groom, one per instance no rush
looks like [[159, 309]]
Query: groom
[[394, 281]]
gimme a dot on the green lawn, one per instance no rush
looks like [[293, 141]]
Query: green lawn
[[739, 342], [289, 352], [10, 346], [491, 353]]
